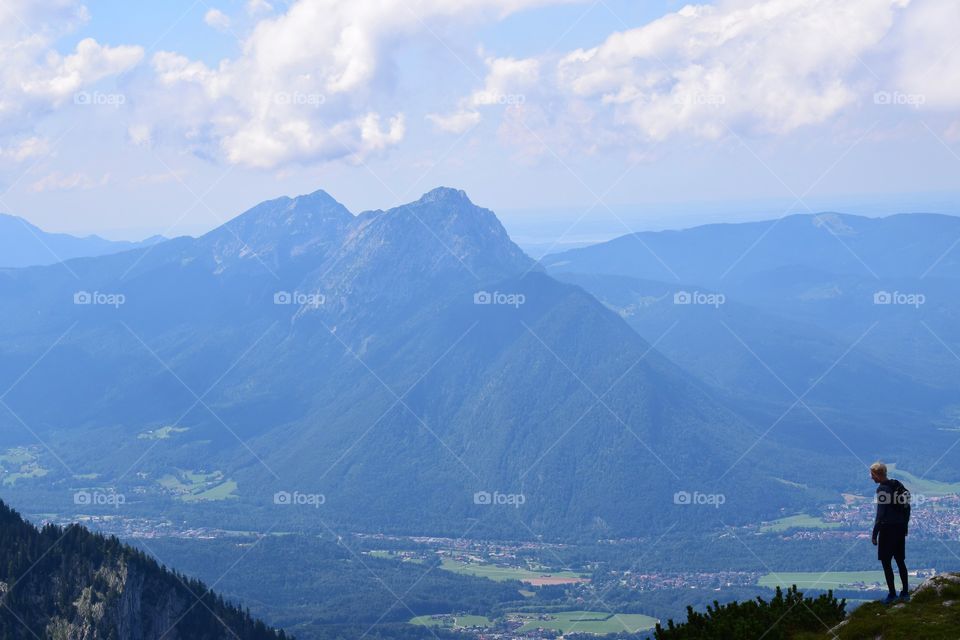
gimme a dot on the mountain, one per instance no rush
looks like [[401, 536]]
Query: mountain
[[70, 583], [759, 358], [905, 245], [410, 369], [856, 316], [24, 245]]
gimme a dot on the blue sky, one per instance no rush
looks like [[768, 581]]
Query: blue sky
[[577, 118]]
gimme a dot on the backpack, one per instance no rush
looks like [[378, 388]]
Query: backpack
[[901, 499]]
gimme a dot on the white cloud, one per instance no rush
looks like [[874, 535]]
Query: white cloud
[[140, 135], [217, 19], [929, 60], [63, 76], [507, 84], [25, 149], [311, 84], [458, 122], [258, 7], [768, 67], [35, 77], [68, 182], [507, 81]]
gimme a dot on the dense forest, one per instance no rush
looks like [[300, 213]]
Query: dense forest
[[61, 583]]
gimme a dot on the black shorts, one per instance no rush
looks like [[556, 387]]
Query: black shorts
[[892, 543]]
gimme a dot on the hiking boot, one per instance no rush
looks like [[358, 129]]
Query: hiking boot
[[890, 599], [904, 596]]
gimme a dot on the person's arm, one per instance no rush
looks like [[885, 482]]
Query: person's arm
[[881, 511]]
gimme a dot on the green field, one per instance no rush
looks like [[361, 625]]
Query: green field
[[798, 521], [17, 455], [224, 491], [195, 486], [20, 463], [824, 581], [925, 486], [502, 574], [597, 622], [164, 433], [452, 622], [393, 555]]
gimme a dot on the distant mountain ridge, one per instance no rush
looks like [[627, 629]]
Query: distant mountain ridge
[[809, 302], [916, 244], [25, 245], [400, 362]]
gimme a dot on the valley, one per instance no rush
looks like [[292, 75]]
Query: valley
[[543, 588], [476, 443]]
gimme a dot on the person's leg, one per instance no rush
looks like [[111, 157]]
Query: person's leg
[[888, 574], [902, 566]]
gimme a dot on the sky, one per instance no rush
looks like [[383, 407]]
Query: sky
[[574, 120]]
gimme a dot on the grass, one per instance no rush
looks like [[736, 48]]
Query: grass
[[20, 463], [195, 486], [27, 472], [817, 580], [18, 455], [597, 622], [224, 491], [798, 521], [929, 615], [163, 433], [503, 574], [927, 487], [392, 555], [452, 622]]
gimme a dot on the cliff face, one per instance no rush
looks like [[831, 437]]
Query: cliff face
[[70, 584], [117, 604]]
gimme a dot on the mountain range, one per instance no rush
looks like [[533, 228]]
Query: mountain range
[[24, 245], [855, 316], [411, 369]]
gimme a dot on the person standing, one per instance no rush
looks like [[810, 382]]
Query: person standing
[[890, 529]]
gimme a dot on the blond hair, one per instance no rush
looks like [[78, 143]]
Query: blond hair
[[879, 468]]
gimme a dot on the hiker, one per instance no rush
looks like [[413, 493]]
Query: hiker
[[890, 528]]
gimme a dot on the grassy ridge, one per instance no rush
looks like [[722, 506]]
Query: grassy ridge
[[932, 614]]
